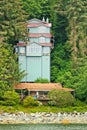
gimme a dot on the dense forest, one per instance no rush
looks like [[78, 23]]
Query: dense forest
[[69, 28]]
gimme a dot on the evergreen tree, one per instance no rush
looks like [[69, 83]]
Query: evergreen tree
[[77, 17], [37, 8], [12, 20], [60, 57], [10, 74]]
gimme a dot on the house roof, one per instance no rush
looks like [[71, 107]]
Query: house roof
[[21, 44], [34, 19], [40, 34], [41, 86], [41, 44], [46, 44], [39, 24]]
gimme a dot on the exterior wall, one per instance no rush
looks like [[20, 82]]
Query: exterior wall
[[33, 30], [33, 68], [46, 67], [40, 29], [43, 29], [40, 39], [36, 65], [47, 40], [34, 39], [46, 51]]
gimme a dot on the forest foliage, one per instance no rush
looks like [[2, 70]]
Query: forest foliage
[[69, 56]]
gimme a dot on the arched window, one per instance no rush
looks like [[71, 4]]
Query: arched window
[[42, 39]]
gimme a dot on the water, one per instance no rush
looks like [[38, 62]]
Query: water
[[44, 127]]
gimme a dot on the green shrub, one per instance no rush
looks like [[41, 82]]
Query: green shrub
[[79, 103], [41, 80], [30, 101], [11, 98], [61, 98], [2, 102], [1, 94], [9, 103]]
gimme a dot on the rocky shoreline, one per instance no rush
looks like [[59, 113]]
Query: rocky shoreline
[[43, 118]]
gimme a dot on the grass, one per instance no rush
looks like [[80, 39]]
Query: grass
[[19, 108]]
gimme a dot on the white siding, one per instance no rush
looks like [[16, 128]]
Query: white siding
[[43, 29], [46, 50], [33, 30], [40, 29], [34, 40], [47, 40]]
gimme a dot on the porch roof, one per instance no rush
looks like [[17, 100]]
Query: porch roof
[[41, 86]]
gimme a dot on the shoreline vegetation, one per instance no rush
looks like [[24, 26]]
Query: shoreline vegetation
[[42, 108]]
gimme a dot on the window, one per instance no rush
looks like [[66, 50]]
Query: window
[[42, 39], [34, 48], [22, 50]]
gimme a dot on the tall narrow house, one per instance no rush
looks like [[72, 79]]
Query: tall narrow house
[[34, 57]]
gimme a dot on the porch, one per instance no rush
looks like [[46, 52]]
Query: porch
[[38, 90]]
